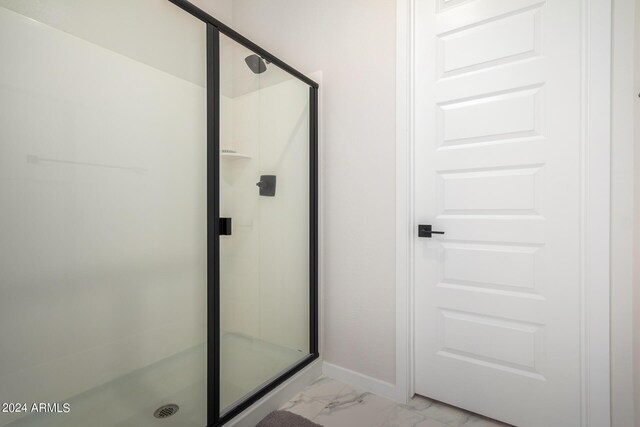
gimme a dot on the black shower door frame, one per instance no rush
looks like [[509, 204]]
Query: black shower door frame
[[214, 28]]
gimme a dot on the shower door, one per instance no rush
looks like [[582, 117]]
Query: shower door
[[262, 203], [265, 240]]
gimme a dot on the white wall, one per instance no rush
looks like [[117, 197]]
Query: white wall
[[222, 10], [149, 31]]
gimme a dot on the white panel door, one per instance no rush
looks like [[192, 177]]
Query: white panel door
[[497, 161]]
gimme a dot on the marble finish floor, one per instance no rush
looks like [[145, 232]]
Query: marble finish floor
[[331, 403]]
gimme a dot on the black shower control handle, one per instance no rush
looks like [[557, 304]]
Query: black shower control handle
[[424, 230], [267, 185]]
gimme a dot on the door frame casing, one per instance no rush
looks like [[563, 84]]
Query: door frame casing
[[595, 191]]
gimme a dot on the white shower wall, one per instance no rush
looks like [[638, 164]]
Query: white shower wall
[[265, 269]]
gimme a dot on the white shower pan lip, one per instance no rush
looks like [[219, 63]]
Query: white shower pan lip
[[130, 400], [248, 363]]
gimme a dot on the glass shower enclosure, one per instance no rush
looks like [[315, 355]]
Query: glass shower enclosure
[[265, 208], [158, 221]]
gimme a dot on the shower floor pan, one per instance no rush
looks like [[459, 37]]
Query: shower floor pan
[[131, 400]]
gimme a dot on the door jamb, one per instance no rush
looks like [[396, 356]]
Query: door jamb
[[404, 199], [595, 190]]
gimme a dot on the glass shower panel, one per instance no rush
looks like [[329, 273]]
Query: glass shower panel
[[264, 189], [103, 213]]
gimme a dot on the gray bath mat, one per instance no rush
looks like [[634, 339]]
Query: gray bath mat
[[285, 419]]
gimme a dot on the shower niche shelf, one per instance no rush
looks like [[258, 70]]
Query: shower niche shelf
[[231, 154]]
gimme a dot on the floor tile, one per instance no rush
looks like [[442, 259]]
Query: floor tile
[[401, 417], [446, 414], [419, 403], [304, 406], [480, 421], [355, 408], [431, 423], [332, 403], [324, 389]]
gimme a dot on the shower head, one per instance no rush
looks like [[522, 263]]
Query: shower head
[[256, 63]]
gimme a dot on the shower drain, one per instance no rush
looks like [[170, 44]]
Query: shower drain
[[166, 411]]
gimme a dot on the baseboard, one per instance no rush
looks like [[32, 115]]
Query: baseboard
[[278, 397], [373, 385]]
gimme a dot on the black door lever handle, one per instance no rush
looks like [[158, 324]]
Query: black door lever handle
[[424, 230]]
